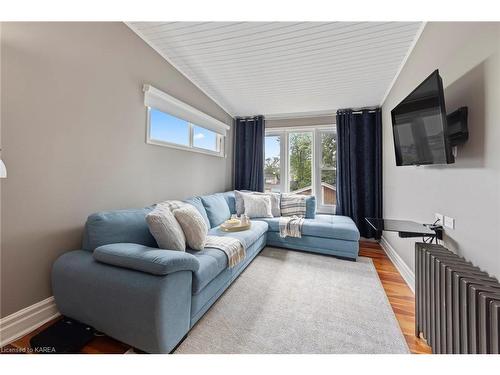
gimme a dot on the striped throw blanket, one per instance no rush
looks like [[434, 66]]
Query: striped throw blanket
[[291, 226], [293, 205], [233, 248]]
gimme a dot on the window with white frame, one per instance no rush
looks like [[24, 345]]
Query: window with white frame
[[327, 167], [172, 123], [303, 161], [300, 162], [272, 163]]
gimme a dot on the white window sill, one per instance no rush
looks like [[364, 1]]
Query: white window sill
[[185, 148]]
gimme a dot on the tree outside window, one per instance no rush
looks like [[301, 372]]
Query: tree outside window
[[272, 172], [299, 168], [300, 150], [328, 168]]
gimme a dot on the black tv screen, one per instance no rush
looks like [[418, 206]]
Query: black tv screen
[[419, 126]]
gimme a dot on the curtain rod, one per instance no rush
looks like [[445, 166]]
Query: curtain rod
[[247, 118], [360, 110]]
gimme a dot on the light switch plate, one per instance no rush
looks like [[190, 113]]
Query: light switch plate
[[449, 222], [439, 217]]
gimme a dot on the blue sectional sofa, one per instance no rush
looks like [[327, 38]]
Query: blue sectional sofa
[[120, 283]]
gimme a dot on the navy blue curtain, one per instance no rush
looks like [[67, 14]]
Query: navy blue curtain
[[359, 167], [249, 153]]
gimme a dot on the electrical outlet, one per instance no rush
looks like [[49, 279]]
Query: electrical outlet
[[440, 219], [449, 222]]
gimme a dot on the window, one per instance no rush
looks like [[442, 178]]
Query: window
[[328, 168], [167, 128], [172, 123], [300, 162], [303, 161], [205, 139], [272, 163]]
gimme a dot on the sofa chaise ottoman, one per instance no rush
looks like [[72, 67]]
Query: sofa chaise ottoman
[[120, 283], [325, 234]]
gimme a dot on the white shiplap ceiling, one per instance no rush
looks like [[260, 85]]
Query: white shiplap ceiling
[[278, 68]]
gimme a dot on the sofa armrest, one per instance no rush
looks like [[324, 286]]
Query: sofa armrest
[[149, 312], [146, 259]]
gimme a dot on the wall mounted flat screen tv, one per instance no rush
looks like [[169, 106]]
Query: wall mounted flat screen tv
[[419, 126]]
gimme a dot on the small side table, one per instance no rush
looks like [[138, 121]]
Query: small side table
[[407, 229]]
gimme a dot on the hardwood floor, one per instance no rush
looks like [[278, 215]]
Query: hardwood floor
[[399, 294]]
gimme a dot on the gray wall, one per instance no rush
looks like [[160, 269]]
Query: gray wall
[[300, 121], [468, 58], [73, 138]]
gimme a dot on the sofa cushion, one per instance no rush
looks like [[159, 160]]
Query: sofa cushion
[[107, 227], [247, 237], [326, 226], [310, 207], [214, 261], [231, 201], [217, 209], [198, 204]]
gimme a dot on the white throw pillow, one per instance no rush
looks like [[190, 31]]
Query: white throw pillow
[[275, 201], [257, 205], [165, 228], [194, 226]]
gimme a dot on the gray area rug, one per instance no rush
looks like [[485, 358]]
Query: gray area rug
[[293, 302]]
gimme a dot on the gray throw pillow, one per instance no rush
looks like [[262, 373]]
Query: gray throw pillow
[[240, 205], [165, 228]]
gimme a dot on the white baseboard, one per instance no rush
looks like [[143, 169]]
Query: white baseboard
[[26, 320], [401, 266]]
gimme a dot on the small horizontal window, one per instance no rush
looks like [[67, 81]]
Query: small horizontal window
[[173, 123], [170, 131], [167, 128], [205, 139]]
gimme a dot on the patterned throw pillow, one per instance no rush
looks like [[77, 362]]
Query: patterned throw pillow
[[165, 228], [194, 226], [257, 205], [293, 205]]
